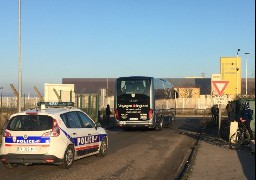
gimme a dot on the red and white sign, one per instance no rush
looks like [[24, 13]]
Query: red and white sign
[[220, 86], [220, 100]]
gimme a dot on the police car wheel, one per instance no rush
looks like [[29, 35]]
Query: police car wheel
[[10, 165], [68, 158], [103, 148]]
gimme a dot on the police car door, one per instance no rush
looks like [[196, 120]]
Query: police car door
[[92, 138], [81, 136]]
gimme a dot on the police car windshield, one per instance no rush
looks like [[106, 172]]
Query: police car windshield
[[30, 123]]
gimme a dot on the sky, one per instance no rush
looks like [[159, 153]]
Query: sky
[[113, 38]]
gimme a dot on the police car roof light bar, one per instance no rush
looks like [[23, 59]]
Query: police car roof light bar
[[55, 104]]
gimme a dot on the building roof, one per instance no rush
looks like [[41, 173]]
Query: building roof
[[94, 85]]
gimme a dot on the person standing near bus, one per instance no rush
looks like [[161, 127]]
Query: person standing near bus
[[108, 112], [246, 117], [215, 113]]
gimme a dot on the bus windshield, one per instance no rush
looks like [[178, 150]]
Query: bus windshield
[[133, 86]]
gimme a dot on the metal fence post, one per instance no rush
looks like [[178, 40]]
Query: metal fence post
[[81, 102], [97, 108], [77, 100], [89, 105], [24, 99]]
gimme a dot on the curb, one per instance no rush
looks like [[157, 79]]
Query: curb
[[187, 166], [252, 145]]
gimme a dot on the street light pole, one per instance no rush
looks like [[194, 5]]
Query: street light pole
[[237, 72], [246, 54], [19, 74], [107, 88]]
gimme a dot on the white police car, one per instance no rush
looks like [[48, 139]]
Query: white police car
[[55, 133]]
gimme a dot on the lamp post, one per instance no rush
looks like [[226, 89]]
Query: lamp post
[[246, 54], [19, 61], [107, 88], [107, 93], [237, 69]]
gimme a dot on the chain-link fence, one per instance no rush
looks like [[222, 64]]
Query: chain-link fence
[[94, 104]]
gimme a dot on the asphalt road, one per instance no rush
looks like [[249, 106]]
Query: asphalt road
[[136, 154]]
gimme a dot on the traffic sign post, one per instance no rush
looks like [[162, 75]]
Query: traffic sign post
[[220, 87], [220, 100]]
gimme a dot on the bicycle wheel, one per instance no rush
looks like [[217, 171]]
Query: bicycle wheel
[[247, 138], [239, 139], [232, 141]]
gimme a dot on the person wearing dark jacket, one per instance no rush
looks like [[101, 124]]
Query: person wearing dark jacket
[[108, 112], [229, 110], [246, 117], [215, 113]]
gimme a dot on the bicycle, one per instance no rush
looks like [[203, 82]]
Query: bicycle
[[240, 137]]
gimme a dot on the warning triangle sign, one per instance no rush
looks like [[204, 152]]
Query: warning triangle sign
[[220, 86]]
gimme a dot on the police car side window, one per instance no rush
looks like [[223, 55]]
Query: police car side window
[[88, 123], [73, 120], [65, 119]]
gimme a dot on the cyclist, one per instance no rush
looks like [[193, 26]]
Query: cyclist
[[246, 117]]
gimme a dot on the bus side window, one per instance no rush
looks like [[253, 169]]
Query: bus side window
[[160, 94], [168, 93]]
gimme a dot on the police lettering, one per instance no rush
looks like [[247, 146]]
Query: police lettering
[[86, 140], [26, 141]]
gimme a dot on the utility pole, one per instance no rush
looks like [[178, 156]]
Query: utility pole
[[19, 70], [107, 88], [246, 54], [237, 69]]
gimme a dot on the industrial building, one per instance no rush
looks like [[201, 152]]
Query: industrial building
[[230, 71], [94, 85]]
